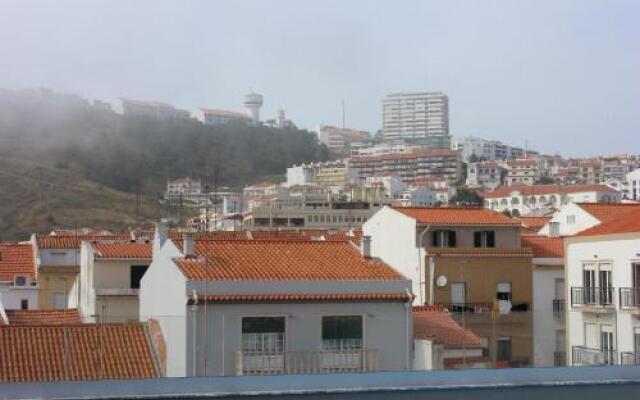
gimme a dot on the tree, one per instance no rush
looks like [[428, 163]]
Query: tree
[[466, 197]]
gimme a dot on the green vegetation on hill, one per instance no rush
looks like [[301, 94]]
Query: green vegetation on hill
[[105, 159]]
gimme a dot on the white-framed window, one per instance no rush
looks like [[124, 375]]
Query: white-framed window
[[344, 332]]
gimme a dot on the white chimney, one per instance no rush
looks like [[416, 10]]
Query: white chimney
[[554, 229], [365, 246], [188, 244]]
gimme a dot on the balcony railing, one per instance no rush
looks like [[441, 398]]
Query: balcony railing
[[592, 296], [629, 358], [305, 362], [586, 356], [630, 297], [559, 359], [481, 308], [558, 308]]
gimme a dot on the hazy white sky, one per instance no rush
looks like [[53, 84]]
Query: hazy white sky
[[561, 74]]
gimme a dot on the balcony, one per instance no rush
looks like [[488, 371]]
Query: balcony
[[481, 308], [305, 362], [630, 298], [558, 308], [629, 358], [585, 356], [595, 298]]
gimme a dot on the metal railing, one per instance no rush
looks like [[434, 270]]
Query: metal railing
[[481, 308], [305, 362], [629, 358], [559, 358], [630, 297], [586, 356], [592, 296], [558, 308]]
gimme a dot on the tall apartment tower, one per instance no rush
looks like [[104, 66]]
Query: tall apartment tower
[[422, 116]]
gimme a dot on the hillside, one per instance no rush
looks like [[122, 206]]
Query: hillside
[[64, 162], [37, 199]]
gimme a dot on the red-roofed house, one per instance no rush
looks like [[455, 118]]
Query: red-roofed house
[[530, 199], [256, 307], [441, 343], [59, 264], [18, 276], [466, 259], [603, 291], [577, 217], [109, 280]]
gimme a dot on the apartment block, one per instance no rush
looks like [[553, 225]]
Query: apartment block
[[416, 115]]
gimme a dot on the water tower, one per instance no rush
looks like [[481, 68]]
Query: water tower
[[253, 102]]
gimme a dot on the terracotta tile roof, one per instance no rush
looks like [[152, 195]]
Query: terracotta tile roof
[[439, 326], [605, 212], [544, 247], [627, 223], [282, 260], [505, 191], [43, 317], [73, 241], [456, 216], [75, 352], [16, 259], [305, 298], [480, 251], [533, 223], [124, 250]]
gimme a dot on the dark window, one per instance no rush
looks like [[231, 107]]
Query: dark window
[[443, 238], [342, 333], [137, 272], [24, 304], [262, 324], [484, 239], [504, 349]]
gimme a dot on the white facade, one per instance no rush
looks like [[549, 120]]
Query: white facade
[[219, 117], [548, 312], [415, 115], [484, 149], [15, 295], [152, 109], [633, 179], [603, 282], [569, 220], [253, 103], [416, 197]]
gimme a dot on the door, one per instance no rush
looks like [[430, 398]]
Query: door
[[458, 294], [589, 283], [591, 336], [606, 291], [607, 345], [635, 281]]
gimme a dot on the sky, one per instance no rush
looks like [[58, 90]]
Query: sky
[[560, 75]]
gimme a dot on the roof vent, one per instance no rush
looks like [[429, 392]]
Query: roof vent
[[365, 246], [188, 244]]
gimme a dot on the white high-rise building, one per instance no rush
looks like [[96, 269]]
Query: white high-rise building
[[417, 115]]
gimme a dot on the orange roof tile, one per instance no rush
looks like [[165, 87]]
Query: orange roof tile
[[124, 250], [627, 223], [305, 298], [439, 326], [544, 247], [533, 223], [75, 352], [605, 212], [16, 259], [505, 191], [73, 241], [43, 317], [282, 260], [456, 216]]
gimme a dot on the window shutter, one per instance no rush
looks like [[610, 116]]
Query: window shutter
[[452, 238], [491, 239], [477, 239]]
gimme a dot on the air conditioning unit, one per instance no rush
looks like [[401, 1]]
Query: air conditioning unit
[[20, 281]]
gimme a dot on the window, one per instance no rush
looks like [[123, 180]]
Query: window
[[263, 334], [137, 272], [20, 281], [443, 238], [24, 304], [571, 219], [504, 291], [503, 349], [342, 333], [484, 239]]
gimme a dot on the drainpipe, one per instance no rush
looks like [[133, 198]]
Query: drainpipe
[[194, 309], [432, 273], [420, 269], [407, 306]]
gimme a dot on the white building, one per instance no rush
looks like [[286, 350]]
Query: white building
[[276, 307], [186, 187], [483, 149], [109, 281], [417, 115], [603, 289], [339, 140], [573, 218], [416, 197], [530, 199], [633, 179], [253, 103], [210, 116], [18, 276], [485, 174], [151, 109]]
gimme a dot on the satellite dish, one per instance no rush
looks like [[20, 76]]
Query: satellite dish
[[441, 281]]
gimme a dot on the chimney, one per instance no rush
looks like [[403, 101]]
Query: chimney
[[554, 229], [188, 244], [365, 246]]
